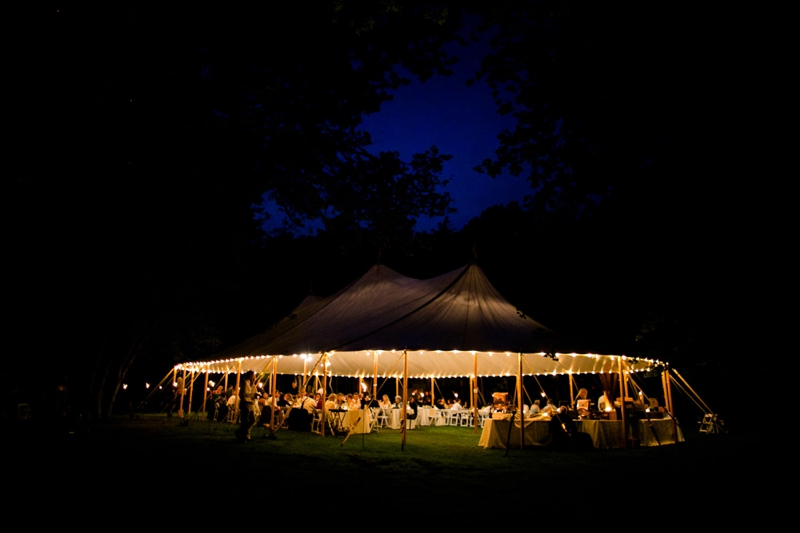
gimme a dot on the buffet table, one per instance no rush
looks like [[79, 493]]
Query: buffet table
[[495, 433], [604, 433]]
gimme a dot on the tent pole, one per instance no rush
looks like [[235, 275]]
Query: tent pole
[[671, 412], [375, 376], [697, 396], [273, 404], [403, 411], [183, 393], [191, 392], [571, 391], [622, 407], [325, 388], [519, 403], [205, 397], [474, 390], [627, 393], [238, 392], [174, 391], [433, 397], [303, 381]]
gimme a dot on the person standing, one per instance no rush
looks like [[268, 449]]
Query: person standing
[[247, 400]]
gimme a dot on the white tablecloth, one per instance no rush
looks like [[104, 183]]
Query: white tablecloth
[[604, 433]]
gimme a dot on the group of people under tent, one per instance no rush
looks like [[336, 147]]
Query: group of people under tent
[[256, 406]]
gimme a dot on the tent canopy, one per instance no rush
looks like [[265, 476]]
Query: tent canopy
[[448, 325]]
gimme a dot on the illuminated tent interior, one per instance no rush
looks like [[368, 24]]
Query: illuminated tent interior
[[453, 325]]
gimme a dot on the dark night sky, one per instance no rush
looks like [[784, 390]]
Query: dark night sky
[[460, 121]]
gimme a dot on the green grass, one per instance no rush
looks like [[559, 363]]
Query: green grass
[[434, 461]]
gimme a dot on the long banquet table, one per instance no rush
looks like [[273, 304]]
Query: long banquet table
[[604, 433]]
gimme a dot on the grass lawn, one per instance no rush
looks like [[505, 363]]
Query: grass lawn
[[437, 462]]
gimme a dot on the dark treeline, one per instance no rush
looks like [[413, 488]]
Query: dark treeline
[[136, 239]]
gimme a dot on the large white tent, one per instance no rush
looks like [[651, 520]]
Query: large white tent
[[453, 325]]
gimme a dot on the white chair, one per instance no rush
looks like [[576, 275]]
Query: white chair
[[373, 422], [453, 417], [383, 418], [316, 420]]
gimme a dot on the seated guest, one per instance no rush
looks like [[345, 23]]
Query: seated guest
[[304, 402], [330, 403], [398, 402], [412, 407], [603, 404], [318, 401], [535, 409], [353, 402], [285, 401], [550, 408], [385, 402], [267, 408], [457, 405], [232, 400], [582, 402]]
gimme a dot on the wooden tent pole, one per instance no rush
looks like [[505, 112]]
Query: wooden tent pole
[[238, 392], [622, 407], [474, 390], [519, 403], [303, 381], [325, 388], [403, 410], [191, 392], [375, 376], [205, 397], [433, 397], [671, 411], [183, 393], [571, 391], [273, 386], [174, 392], [627, 393]]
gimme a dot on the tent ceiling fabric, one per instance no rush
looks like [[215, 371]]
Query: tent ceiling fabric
[[441, 321]]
